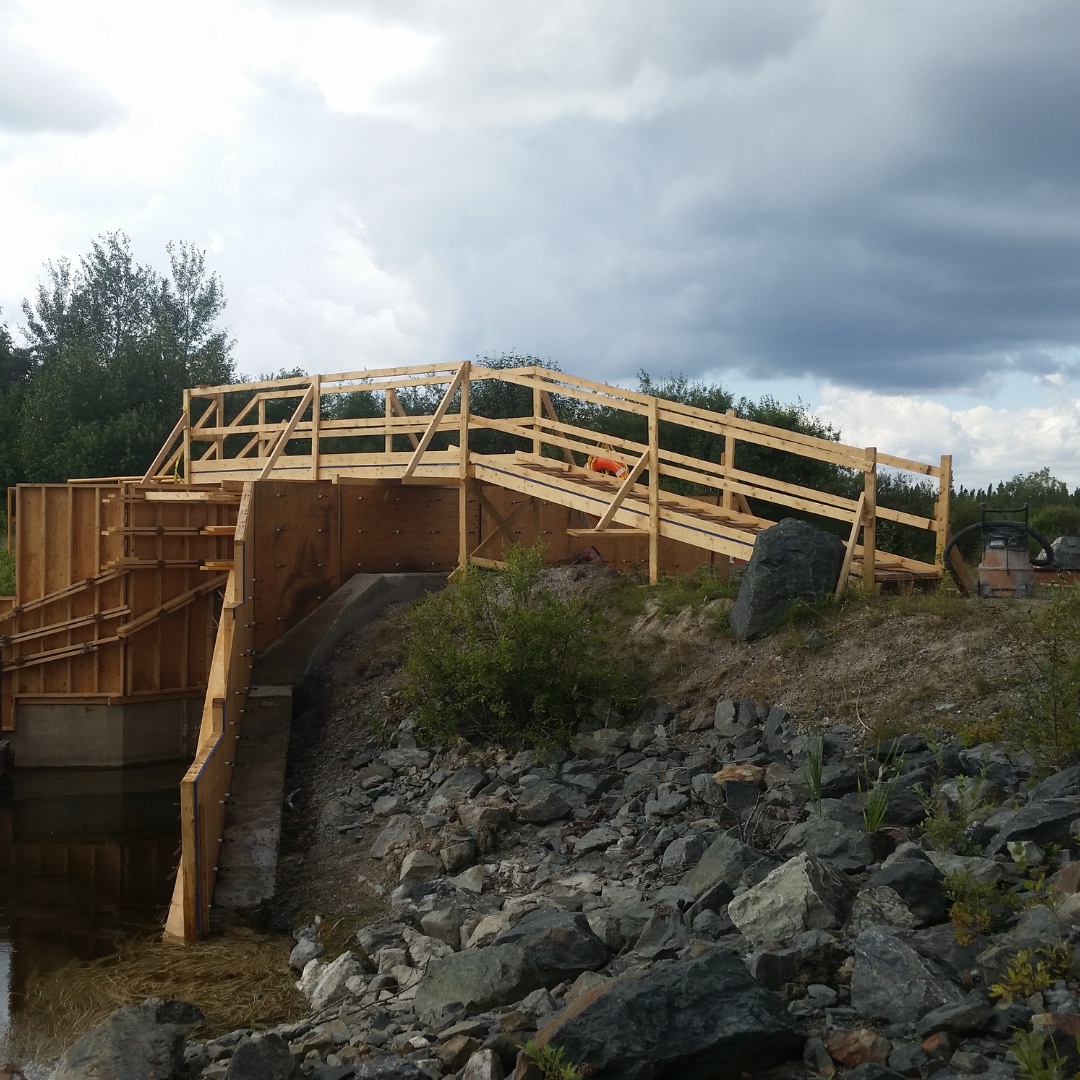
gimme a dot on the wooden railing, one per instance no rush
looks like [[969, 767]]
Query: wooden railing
[[205, 789], [227, 433]]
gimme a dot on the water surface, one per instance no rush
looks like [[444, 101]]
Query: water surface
[[87, 857]]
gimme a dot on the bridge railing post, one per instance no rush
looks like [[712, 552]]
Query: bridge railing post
[[463, 466]]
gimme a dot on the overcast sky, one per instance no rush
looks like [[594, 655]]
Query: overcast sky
[[874, 206]]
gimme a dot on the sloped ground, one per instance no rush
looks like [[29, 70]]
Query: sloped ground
[[880, 664]]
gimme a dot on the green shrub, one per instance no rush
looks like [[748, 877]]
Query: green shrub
[[1058, 519], [497, 656], [1049, 726], [7, 573]]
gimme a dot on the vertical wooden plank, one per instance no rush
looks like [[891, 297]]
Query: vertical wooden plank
[[941, 510], [388, 412], [654, 491], [187, 437], [316, 418], [728, 461], [870, 520], [463, 467], [537, 406]]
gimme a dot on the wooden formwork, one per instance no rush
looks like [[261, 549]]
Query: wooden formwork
[[254, 511]]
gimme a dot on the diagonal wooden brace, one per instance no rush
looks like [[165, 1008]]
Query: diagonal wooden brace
[[433, 426], [286, 435], [624, 490]]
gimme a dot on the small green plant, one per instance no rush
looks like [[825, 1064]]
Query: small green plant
[[1031, 972], [681, 591], [495, 655], [976, 905], [815, 759], [551, 1061], [1049, 727], [880, 787], [947, 820], [7, 572], [1036, 1060]]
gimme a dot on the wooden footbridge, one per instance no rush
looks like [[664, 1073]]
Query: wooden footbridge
[[141, 602]]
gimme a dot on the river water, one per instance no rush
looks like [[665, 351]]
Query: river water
[[87, 857]]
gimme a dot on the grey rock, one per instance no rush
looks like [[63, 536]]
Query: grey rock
[[705, 788], [939, 944], [602, 743], [304, 950], [968, 1017], [399, 831], [891, 981], [130, 1045], [334, 814], [879, 907], [543, 949], [803, 894], [543, 803], [324, 984], [1047, 822], [702, 1019], [663, 935], [420, 866], [682, 853], [1066, 553], [402, 758], [561, 944], [461, 785], [725, 860], [471, 981], [917, 882], [263, 1057], [386, 805], [847, 848], [458, 854], [598, 839], [666, 805], [443, 924], [387, 1068], [791, 561], [485, 1064], [619, 925], [1062, 785], [908, 1058]]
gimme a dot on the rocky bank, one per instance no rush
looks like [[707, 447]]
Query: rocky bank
[[673, 899]]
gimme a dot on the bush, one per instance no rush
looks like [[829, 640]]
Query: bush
[[7, 573], [1049, 726], [1059, 519], [497, 656]]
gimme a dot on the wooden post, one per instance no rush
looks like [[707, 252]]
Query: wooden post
[[388, 412], [728, 461], [654, 491], [463, 466], [187, 437], [537, 405], [870, 520], [316, 416], [941, 510]]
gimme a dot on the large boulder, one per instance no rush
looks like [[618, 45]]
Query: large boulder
[[891, 981], [727, 860], [1066, 553], [703, 1019], [263, 1057], [136, 1042], [791, 561], [803, 894], [543, 949]]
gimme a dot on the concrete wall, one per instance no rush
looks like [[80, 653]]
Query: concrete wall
[[104, 735]]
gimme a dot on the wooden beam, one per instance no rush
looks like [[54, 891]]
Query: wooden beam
[[432, 427], [549, 408], [167, 446], [60, 627], [133, 626], [286, 435], [941, 510], [502, 525], [849, 551], [607, 532], [624, 488]]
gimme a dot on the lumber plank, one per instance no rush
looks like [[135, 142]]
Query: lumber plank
[[433, 426]]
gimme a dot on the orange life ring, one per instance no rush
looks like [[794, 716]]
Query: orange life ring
[[608, 465]]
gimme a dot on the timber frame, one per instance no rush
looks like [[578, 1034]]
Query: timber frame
[[263, 500]]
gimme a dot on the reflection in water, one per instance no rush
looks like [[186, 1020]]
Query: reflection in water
[[86, 856]]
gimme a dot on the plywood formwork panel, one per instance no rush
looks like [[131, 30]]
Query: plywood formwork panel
[[297, 552], [399, 528]]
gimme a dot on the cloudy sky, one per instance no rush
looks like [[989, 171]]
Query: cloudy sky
[[871, 206]]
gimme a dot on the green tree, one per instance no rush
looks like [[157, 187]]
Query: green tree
[[112, 345], [14, 374]]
